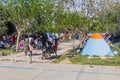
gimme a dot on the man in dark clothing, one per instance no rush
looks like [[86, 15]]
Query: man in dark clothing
[[44, 41]]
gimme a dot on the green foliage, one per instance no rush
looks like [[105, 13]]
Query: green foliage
[[3, 29], [42, 15], [3, 17], [116, 47], [6, 52], [59, 59]]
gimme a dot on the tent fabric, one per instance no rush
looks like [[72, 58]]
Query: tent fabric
[[96, 36], [97, 47]]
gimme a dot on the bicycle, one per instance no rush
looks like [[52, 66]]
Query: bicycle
[[46, 52]]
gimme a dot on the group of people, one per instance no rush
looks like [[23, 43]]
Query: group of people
[[6, 41], [30, 41], [42, 41], [66, 36]]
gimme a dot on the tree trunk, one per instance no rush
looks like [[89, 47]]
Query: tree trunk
[[18, 37], [17, 43], [83, 36]]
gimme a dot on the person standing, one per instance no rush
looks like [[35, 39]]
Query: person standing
[[30, 47], [55, 46], [26, 44], [12, 40], [44, 40]]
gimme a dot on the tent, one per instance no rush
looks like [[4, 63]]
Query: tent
[[97, 46]]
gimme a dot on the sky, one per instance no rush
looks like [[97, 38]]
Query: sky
[[79, 4]]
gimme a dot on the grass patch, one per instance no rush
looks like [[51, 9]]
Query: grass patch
[[76, 58], [6, 52], [60, 59], [95, 60], [116, 47]]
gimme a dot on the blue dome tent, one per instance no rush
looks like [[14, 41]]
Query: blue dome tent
[[97, 46]]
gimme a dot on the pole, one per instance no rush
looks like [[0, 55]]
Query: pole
[[0, 54]]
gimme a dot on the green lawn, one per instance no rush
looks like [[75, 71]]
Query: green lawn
[[85, 60], [6, 52]]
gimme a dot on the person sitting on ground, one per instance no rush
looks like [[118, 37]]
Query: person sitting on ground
[[21, 44]]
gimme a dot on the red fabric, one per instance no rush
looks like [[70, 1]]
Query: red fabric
[[55, 47], [67, 35], [12, 39]]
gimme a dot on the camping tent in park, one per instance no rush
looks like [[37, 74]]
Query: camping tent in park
[[97, 46]]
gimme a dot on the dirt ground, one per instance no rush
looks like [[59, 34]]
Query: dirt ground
[[65, 61], [102, 57]]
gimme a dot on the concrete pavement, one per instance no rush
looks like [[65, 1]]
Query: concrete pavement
[[46, 71]]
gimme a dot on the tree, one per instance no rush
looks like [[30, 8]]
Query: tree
[[3, 17], [18, 13], [58, 15]]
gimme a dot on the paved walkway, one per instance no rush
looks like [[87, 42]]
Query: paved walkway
[[43, 71], [63, 47]]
